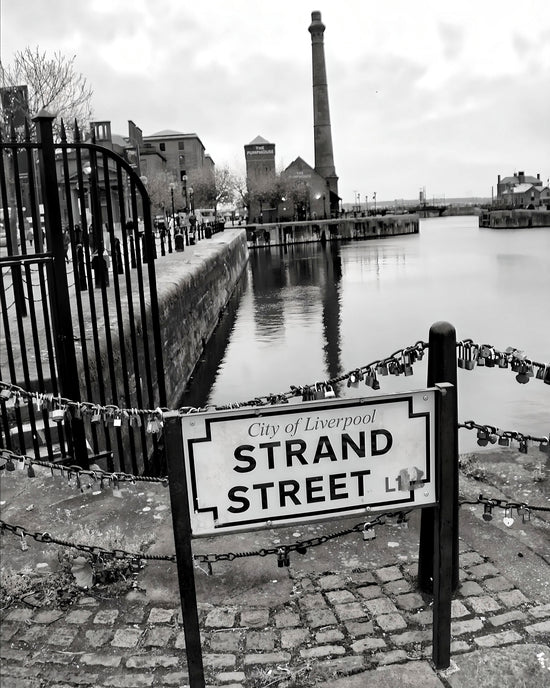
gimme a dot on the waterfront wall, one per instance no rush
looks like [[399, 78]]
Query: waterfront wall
[[193, 290], [514, 219], [348, 228]]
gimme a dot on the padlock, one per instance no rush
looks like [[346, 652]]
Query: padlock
[[546, 376], [502, 360], [504, 440], [382, 368], [470, 357], [508, 520], [58, 414], [482, 437], [460, 355], [329, 392], [96, 415], [523, 446], [523, 375], [487, 512], [407, 365], [368, 532], [24, 543]]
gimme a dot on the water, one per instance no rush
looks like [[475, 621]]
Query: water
[[310, 313]]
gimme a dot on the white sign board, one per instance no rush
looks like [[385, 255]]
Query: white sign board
[[293, 463]]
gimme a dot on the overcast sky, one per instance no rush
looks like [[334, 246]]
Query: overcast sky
[[423, 93]]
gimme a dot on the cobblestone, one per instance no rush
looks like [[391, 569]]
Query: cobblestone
[[541, 627], [339, 623]]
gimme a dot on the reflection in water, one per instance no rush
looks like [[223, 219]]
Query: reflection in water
[[309, 313]]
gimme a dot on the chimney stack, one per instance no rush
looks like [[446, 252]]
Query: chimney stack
[[324, 159]]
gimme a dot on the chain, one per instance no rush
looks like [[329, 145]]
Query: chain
[[470, 355], [400, 362], [85, 479], [282, 551], [489, 504], [399, 518], [94, 550], [490, 434]]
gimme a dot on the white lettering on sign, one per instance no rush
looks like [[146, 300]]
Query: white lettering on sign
[[278, 465]]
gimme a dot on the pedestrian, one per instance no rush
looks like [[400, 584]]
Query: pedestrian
[[66, 243]]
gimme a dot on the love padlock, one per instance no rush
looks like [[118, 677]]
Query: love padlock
[[508, 520]]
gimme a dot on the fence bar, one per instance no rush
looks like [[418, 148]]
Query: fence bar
[[182, 537], [442, 368], [64, 340]]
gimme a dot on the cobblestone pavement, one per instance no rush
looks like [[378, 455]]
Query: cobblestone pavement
[[332, 624]]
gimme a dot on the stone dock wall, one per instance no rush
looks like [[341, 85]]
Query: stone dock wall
[[514, 219], [348, 228], [193, 290]]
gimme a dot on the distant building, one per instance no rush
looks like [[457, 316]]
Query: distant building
[[261, 179], [306, 193], [184, 155], [522, 191]]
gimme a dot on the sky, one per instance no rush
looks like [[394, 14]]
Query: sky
[[437, 95]]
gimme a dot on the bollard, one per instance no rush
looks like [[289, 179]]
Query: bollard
[[442, 368]]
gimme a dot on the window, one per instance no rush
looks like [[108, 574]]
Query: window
[[162, 146], [181, 145]]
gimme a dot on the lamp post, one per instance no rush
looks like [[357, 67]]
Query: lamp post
[[172, 185], [366, 204], [173, 228], [374, 199], [99, 265]]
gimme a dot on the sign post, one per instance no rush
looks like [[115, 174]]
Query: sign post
[[255, 468], [184, 553]]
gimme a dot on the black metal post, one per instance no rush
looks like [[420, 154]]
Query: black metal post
[[442, 368], [61, 307], [184, 555], [444, 526]]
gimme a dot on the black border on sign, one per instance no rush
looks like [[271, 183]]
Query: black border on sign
[[301, 409]]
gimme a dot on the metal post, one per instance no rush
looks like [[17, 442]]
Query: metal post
[[442, 368], [443, 526], [61, 307], [184, 555]]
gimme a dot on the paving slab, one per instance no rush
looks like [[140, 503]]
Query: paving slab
[[409, 675]]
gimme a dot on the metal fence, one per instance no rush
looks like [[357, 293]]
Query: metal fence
[[79, 312]]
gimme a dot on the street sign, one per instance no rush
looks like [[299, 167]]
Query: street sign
[[294, 463]]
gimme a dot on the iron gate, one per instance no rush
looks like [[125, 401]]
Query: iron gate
[[79, 305]]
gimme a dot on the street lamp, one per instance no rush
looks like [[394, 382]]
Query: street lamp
[[173, 228], [366, 204], [99, 264], [374, 199]]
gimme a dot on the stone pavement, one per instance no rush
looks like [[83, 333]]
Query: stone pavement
[[333, 624], [347, 613]]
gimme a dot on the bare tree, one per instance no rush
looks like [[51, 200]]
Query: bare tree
[[160, 192], [210, 188], [53, 84]]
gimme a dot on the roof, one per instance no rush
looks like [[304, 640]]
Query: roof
[[519, 189], [515, 180], [258, 140], [168, 132]]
